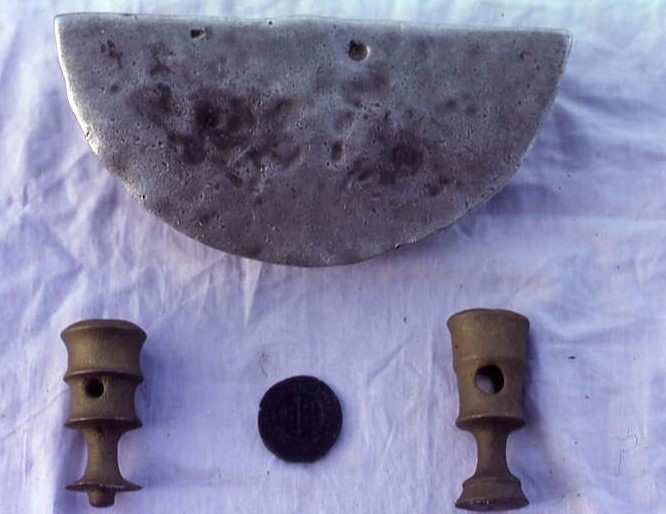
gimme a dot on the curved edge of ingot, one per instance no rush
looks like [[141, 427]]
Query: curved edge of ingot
[[103, 374]]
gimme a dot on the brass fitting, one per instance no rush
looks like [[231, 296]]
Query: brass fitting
[[103, 372], [491, 346]]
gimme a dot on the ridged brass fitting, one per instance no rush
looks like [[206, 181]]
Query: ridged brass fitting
[[103, 372], [489, 358]]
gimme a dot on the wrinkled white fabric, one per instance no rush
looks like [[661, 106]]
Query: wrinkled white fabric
[[576, 242]]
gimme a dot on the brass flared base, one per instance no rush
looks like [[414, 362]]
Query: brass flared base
[[102, 494], [490, 494]]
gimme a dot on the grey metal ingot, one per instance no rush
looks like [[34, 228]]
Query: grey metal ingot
[[302, 141]]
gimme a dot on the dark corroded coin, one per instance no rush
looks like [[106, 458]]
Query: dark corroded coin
[[300, 419]]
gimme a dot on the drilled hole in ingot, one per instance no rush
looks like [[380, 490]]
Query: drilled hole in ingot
[[198, 33], [358, 51], [94, 388], [489, 379]]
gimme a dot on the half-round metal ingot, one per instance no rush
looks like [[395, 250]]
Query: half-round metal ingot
[[307, 141], [489, 358], [103, 372]]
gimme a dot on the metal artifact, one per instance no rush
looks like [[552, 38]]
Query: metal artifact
[[307, 141], [300, 419], [489, 358], [103, 372]]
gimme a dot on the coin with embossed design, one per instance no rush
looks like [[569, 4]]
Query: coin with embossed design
[[300, 419]]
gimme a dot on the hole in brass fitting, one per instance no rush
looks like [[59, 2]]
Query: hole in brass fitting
[[489, 379], [358, 51], [94, 388]]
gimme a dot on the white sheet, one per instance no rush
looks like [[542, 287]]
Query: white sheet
[[576, 241]]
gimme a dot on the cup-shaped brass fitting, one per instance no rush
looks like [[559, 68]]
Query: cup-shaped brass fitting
[[103, 372], [489, 358]]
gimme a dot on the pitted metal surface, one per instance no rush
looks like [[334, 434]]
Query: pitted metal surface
[[305, 141]]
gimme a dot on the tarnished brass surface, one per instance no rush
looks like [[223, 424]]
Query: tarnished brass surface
[[489, 358], [103, 372]]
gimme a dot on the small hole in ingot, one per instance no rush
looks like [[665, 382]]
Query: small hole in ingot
[[358, 51], [198, 33], [489, 379], [94, 388]]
